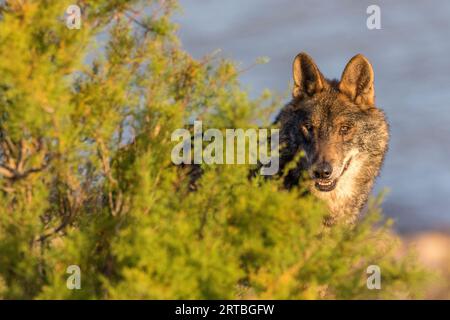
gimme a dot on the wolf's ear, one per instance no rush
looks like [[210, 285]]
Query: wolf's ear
[[307, 78], [357, 81]]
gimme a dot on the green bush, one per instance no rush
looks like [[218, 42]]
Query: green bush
[[86, 177]]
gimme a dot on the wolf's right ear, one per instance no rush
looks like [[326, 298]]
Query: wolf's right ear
[[307, 78]]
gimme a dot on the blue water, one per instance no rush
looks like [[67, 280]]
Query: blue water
[[411, 60]]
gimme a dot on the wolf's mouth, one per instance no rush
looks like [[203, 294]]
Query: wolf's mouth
[[326, 185]]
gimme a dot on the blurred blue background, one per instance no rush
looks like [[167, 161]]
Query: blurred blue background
[[411, 60]]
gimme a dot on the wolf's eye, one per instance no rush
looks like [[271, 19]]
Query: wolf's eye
[[306, 128], [344, 129]]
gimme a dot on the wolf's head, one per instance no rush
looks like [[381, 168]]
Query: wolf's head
[[337, 126]]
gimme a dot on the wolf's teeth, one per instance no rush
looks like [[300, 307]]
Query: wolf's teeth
[[325, 183]]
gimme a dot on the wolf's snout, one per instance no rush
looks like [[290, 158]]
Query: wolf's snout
[[322, 170]]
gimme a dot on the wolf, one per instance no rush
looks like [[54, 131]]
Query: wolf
[[342, 136]]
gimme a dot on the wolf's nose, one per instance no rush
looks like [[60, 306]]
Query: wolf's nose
[[323, 171]]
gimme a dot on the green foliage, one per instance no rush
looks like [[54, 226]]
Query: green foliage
[[86, 178]]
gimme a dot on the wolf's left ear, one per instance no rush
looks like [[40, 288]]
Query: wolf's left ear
[[357, 81]]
